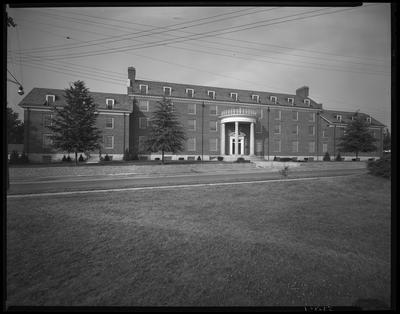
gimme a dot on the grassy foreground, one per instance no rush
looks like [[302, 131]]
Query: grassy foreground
[[319, 242]]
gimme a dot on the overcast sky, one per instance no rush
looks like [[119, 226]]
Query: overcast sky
[[342, 54]]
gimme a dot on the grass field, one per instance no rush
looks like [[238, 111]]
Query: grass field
[[319, 242]]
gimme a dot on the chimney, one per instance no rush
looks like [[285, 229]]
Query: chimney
[[132, 74], [302, 91]]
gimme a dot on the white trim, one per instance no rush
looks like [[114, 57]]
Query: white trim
[[291, 100], [274, 99], [143, 102], [255, 97], [146, 87], [216, 126], [234, 94], [112, 141], [238, 119], [211, 92], [188, 94], [112, 123], [112, 105], [307, 102], [169, 88], [48, 96], [216, 110]]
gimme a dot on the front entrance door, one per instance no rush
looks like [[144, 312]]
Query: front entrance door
[[232, 145]]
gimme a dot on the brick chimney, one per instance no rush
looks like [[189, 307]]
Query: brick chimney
[[131, 79], [302, 91]]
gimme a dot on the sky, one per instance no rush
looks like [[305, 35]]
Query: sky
[[343, 54]]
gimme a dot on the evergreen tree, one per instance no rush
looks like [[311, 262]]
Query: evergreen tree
[[357, 137], [73, 125], [15, 128], [167, 134]]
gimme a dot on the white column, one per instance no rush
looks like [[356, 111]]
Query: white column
[[252, 139], [222, 138], [236, 138]]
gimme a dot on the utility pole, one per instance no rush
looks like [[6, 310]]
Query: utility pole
[[268, 131], [202, 131]]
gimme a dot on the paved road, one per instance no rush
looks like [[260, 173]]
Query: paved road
[[87, 183]]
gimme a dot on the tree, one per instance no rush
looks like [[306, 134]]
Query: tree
[[166, 134], [357, 137], [15, 128], [387, 140], [73, 125]]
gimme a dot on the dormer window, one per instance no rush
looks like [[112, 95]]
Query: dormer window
[[368, 119], [144, 89], [189, 92], [256, 98], [291, 101], [211, 94], [339, 117], [234, 96], [167, 91], [110, 103], [307, 102], [50, 99], [273, 99]]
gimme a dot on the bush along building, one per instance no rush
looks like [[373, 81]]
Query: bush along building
[[219, 122]]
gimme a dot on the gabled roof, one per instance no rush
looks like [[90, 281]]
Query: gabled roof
[[37, 97], [330, 115], [222, 94]]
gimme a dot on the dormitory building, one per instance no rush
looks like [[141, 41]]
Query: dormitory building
[[225, 122]]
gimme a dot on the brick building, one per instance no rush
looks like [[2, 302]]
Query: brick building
[[218, 121]]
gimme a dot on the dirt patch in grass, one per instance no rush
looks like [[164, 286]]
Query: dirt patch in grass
[[290, 243]]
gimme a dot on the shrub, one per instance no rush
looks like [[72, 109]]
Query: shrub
[[327, 157], [181, 158], [106, 158], [198, 158], [14, 157], [338, 157], [64, 159], [127, 155], [24, 158], [285, 159], [80, 159], [380, 167], [285, 171], [220, 158], [69, 159]]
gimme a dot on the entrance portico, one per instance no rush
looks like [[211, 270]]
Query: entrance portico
[[237, 138]]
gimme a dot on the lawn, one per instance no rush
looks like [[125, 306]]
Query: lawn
[[319, 242]]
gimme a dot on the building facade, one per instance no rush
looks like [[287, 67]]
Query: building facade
[[218, 122]]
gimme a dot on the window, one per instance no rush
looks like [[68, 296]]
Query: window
[[291, 101], [167, 90], [50, 99], [324, 133], [307, 102], [213, 126], [47, 120], [172, 106], [211, 94], [189, 92], [259, 127], [234, 96], [213, 110], [110, 103], [143, 122], [295, 129], [144, 89], [259, 146], [273, 99], [311, 130], [295, 146], [277, 146], [108, 141], [192, 125], [311, 117], [368, 119], [339, 117], [213, 142], [47, 141], [256, 98], [295, 115], [311, 147], [324, 147], [278, 115], [191, 108], [142, 145], [277, 129], [144, 105], [109, 123], [191, 144]]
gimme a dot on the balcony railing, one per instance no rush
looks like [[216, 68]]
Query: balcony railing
[[232, 112]]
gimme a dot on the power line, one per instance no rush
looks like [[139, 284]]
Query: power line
[[185, 38]]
